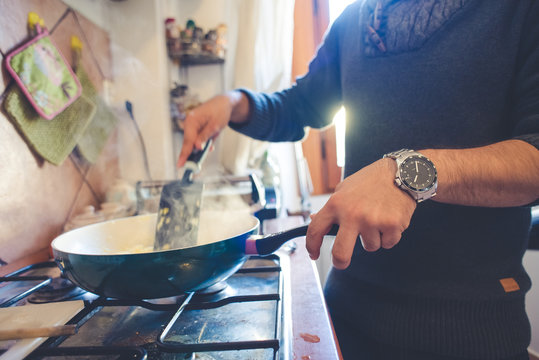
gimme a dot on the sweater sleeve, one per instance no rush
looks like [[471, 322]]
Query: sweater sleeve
[[526, 91], [311, 102]]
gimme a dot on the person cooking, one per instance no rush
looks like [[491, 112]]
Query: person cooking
[[442, 164]]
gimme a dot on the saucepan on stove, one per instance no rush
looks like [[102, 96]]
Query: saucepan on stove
[[116, 258]]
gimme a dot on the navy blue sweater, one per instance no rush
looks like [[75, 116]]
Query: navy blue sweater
[[454, 74]]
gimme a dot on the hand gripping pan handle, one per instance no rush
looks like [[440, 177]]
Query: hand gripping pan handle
[[267, 244]]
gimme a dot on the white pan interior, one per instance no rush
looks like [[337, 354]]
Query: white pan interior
[[136, 234]]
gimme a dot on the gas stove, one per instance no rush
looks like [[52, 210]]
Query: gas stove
[[247, 316]]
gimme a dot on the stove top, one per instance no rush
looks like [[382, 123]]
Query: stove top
[[247, 316]]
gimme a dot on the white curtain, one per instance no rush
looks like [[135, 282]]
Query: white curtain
[[263, 62]]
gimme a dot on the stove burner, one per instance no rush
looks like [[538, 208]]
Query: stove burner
[[57, 290], [211, 291]]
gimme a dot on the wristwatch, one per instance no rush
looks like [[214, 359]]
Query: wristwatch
[[416, 174]]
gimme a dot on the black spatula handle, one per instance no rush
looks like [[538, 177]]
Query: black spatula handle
[[197, 156], [270, 243], [194, 162]]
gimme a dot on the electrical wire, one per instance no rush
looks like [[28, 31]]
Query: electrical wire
[[84, 179], [94, 58], [64, 15], [129, 108]]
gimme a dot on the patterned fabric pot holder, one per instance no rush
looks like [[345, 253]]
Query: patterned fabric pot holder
[[43, 75]]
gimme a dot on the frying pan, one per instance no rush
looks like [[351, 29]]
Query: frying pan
[[106, 258]]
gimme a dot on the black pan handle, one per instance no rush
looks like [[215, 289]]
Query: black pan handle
[[268, 244]]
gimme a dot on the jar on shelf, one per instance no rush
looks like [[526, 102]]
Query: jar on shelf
[[172, 34], [220, 41]]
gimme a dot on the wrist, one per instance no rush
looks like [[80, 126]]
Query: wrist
[[239, 106], [416, 174]]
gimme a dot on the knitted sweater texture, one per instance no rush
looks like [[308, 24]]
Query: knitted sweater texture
[[451, 74]]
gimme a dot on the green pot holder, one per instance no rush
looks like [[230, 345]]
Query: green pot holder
[[53, 139]]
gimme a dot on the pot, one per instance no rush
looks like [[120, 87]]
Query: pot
[[116, 258]]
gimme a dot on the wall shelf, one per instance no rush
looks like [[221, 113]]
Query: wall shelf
[[196, 59]]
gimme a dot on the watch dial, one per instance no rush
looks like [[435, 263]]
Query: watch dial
[[418, 173]]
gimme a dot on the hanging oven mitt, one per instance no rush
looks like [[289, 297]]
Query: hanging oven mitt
[[95, 136], [43, 75]]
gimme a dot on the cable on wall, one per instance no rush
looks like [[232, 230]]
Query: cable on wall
[[129, 108]]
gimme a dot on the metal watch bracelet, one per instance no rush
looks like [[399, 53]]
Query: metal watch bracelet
[[418, 195]]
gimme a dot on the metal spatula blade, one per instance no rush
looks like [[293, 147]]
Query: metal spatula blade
[[178, 216], [179, 207]]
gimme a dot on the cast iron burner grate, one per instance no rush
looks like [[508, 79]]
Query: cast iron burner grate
[[15, 286], [160, 340], [58, 289], [183, 347]]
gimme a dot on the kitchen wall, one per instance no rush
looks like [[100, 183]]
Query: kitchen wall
[[127, 44], [139, 64], [208, 80], [252, 29], [144, 74], [36, 197]]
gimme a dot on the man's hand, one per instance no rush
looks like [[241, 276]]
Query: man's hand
[[209, 119], [366, 204], [202, 123], [369, 204]]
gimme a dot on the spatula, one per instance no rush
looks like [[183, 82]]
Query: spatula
[[179, 207]]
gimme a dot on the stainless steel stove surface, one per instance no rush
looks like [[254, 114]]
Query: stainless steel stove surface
[[246, 317]]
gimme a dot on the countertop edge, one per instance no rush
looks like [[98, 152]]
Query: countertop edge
[[310, 318]]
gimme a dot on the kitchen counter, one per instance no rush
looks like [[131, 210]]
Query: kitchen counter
[[313, 335]]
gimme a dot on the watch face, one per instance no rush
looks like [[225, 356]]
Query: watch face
[[418, 173]]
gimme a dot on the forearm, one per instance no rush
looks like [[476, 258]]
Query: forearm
[[498, 175]]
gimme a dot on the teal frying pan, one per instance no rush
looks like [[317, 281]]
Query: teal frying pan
[[116, 258]]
